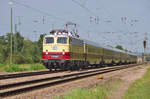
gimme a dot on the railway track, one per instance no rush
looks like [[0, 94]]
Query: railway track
[[17, 75], [20, 87], [25, 74]]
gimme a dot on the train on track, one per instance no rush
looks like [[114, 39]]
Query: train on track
[[64, 50]]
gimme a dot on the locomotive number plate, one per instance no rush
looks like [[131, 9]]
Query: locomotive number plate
[[54, 56]]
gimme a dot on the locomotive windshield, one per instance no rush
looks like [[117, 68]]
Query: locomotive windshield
[[62, 40], [49, 40]]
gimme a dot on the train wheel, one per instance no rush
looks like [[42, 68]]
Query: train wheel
[[113, 63], [102, 64], [49, 66], [82, 65], [62, 67], [72, 67]]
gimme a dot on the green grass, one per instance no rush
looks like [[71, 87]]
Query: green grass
[[21, 67], [101, 91], [14, 68], [37, 67], [140, 89], [2, 68]]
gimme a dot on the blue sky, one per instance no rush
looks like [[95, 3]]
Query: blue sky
[[116, 19]]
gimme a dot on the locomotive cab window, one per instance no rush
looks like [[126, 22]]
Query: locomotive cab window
[[49, 40], [62, 40]]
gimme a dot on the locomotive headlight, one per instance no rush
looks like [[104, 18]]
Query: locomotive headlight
[[46, 52], [63, 52]]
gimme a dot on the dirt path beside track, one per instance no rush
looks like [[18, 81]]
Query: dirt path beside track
[[127, 79]]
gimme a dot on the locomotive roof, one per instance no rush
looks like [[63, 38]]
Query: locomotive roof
[[51, 35], [64, 32]]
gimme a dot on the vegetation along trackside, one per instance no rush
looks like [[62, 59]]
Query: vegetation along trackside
[[26, 54], [100, 91], [24, 51], [140, 89], [21, 67]]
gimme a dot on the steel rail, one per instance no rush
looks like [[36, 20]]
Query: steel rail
[[18, 75], [62, 79], [48, 78]]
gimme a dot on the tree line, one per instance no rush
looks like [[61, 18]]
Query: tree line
[[23, 50]]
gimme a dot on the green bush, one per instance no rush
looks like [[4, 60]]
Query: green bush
[[24, 52], [37, 67], [36, 59], [21, 67], [2, 67], [28, 60], [19, 59], [14, 68]]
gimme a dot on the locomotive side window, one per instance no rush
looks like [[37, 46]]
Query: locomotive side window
[[49, 40], [62, 40]]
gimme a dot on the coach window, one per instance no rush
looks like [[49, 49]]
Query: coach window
[[62, 40], [49, 40]]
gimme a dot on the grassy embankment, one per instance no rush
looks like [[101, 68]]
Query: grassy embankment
[[100, 91], [21, 67], [140, 89]]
